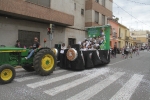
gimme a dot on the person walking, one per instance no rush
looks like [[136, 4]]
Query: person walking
[[137, 51], [115, 51], [122, 52], [133, 49], [126, 51], [130, 52]]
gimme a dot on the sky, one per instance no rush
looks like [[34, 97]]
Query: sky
[[134, 14]]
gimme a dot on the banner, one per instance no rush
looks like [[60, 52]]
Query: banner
[[103, 33]]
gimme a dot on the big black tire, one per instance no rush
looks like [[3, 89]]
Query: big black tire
[[28, 67], [7, 74], [44, 62]]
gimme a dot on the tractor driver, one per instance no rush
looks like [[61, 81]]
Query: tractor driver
[[36, 45]]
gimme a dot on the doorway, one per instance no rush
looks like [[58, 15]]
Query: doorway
[[71, 41]]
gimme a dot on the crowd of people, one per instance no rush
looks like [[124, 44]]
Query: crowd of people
[[92, 43], [126, 51]]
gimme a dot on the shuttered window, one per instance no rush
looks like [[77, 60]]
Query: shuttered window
[[96, 17], [103, 3], [103, 19], [97, 1], [45, 3]]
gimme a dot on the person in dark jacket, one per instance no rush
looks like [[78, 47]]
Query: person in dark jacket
[[18, 44], [36, 45], [115, 51]]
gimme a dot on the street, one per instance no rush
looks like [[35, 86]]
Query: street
[[121, 79]]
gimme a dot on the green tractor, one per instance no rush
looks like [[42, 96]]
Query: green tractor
[[43, 62]]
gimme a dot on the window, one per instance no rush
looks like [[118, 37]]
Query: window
[[103, 3], [45, 3], [74, 6], [103, 19], [133, 34], [134, 38], [71, 41], [82, 11], [97, 1], [96, 16], [119, 32], [114, 33]]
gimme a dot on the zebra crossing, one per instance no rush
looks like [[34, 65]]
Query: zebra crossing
[[34, 76], [124, 93]]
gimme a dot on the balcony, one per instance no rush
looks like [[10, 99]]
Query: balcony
[[119, 37], [114, 35], [127, 38]]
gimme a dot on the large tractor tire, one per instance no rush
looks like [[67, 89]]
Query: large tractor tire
[[44, 62], [7, 74], [28, 67]]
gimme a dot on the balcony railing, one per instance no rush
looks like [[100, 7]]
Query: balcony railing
[[127, 38], [119, 37]]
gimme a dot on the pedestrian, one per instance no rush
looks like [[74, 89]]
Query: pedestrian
[[115, 51], [122, 52], [134, 49], [130, 52], [63, 47], [147, 48], [137, 51], [126, 51], [36, 45]]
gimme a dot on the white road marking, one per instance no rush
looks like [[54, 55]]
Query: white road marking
[[19, 69], [24, 73], [90, 92], [55, 79], [128, 89], [75, 83], [26, 78], [59, 71]]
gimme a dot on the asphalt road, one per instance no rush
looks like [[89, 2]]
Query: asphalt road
[[122, 79]]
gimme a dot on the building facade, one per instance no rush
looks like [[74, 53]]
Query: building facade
[[25, 19], [120, 35], [142, 36], [97, 12], [114, 33]]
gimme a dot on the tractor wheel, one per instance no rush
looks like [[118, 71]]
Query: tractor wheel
[[28, 67], [44, 62], [7, 74]]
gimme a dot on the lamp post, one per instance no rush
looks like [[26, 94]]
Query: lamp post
[[148, 39]]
